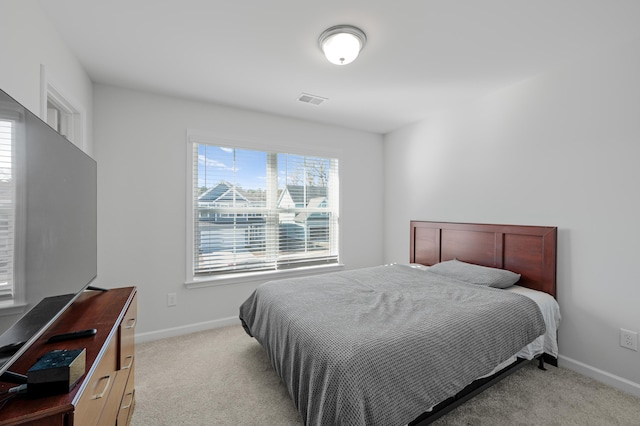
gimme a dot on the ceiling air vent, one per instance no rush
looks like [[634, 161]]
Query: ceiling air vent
[[311, 99]]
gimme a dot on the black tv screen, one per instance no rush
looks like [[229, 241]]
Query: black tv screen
[[48, 226]]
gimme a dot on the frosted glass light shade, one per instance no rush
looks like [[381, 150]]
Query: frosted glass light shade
[[342, 44]]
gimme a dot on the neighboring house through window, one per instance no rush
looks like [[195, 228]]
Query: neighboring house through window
[[256, 211]]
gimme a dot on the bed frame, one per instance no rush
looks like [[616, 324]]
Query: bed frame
[[526, 250]]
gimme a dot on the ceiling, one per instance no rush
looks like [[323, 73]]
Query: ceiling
[[421, 55]]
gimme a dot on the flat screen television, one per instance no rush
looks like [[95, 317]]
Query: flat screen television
[[48, 227]]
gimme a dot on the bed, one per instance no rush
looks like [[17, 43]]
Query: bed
[[404, 344]]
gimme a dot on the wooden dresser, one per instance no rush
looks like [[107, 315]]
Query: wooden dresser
[[105, 394]]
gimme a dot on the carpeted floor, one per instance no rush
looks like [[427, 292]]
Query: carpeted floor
[[223, 377]]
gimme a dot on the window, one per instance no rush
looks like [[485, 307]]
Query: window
[[258, 211], [61, 112], [59, 119], [7, 207], [64, 118]]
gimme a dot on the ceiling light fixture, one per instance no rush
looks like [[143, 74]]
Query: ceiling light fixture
[[342, 44]]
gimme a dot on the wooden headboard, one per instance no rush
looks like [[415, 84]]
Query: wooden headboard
[[526, 250]]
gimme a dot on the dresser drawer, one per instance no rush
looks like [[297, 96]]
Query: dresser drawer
[[96, 393], [128, 401], [112, 406], [127, 332]]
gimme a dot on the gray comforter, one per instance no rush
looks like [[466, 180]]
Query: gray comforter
[[380, 346]]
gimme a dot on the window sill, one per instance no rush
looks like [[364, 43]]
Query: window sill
[[262, 276], [10, 307]]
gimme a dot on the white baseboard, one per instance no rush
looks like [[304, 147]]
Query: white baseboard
[[602, 376], [186, 329]]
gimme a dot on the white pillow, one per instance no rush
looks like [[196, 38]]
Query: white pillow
[[418, 266], [475, 274]]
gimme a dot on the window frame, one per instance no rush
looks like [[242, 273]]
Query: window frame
[[15, 303], [248, 143], [72, 117]]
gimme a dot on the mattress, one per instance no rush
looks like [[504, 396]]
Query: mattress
[[548, 342], [381, 345]]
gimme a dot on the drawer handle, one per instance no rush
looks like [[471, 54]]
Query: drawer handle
[[106, 387], [130, 358], [126, 407], [131, 323]]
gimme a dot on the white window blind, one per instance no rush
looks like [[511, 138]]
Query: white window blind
[[260, 211], [7, 209]]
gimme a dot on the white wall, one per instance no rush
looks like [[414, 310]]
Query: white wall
[[561, 150], [140, 146], [27, 41]]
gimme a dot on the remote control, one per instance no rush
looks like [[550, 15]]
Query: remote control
[[72, 335]]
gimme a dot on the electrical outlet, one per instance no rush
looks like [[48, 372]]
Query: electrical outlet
[[629, 339], [172, 299]]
